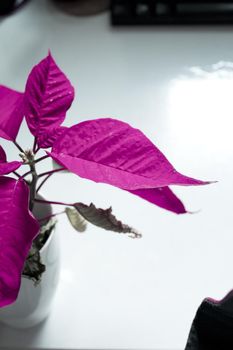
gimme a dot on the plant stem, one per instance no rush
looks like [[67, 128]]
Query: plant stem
[[34, 145], [51, 216], [40, 159], [24, 175], [17, 174], [38, 148], [42, 183], [50, 172], [53, 202], [18, 146], [33, 185]]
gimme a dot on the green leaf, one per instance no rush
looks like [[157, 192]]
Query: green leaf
[[76, 220], [105, 219]]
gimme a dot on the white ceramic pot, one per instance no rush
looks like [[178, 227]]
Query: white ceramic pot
[[34, 301]]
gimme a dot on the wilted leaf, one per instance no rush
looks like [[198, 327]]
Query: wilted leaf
[[105, 219], [18, 228], [76, 220], [112, 152], [33, 267], [7, 167], [11, 112], [48, 96], [46, 230]]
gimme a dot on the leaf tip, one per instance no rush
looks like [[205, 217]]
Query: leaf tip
[[193, 212], [135, 234]]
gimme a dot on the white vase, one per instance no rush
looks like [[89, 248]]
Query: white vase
[[34, 301]]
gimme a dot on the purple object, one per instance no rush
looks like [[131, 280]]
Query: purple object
[[112, 152], [163, 197], [12, 112], [18, 228], [48, 95], [7, 167], [47, 139]]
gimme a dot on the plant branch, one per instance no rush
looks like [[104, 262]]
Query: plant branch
[[38, 148], [53, 202], [41, 158], [50, 172], [51, 216], [17, 174], [33, 185], [18, 146], [24, 175], [42, 183], [34, 145]]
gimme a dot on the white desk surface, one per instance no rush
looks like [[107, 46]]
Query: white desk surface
[[176, 85]]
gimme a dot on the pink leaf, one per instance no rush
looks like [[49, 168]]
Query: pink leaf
[[47, 139], [11, 112], [112, 152], [7, 167], [163, 197], [48, 96], [17, 230], [2, 155]]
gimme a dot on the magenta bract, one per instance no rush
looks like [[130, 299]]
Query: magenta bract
[[163, 197], [47, 139], [7, 167], [112, 152], [18, 228], [48, 95], [2, 155], [12, 112]]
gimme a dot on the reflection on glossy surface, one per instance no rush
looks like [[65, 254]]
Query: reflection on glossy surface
[[202, 105]]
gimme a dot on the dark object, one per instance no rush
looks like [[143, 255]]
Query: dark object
[[151, 12], [8, 6], [82, 7], [212, 328]]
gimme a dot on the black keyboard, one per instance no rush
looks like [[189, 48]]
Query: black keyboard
[[152, 12]]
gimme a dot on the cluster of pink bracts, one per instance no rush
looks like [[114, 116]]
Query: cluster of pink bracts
[[103, 150]]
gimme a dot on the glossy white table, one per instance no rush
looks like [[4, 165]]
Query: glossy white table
[[176, 85]]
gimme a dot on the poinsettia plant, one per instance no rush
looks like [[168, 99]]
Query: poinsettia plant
[[103, 150]]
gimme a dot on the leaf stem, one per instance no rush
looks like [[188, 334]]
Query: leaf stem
[[25, 174], [50, 172], [18, 146], [53, 202], [41, 158], [17, 174], [42, 183], [33, 185], [36, 150], [51, 216], [34, 145]]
